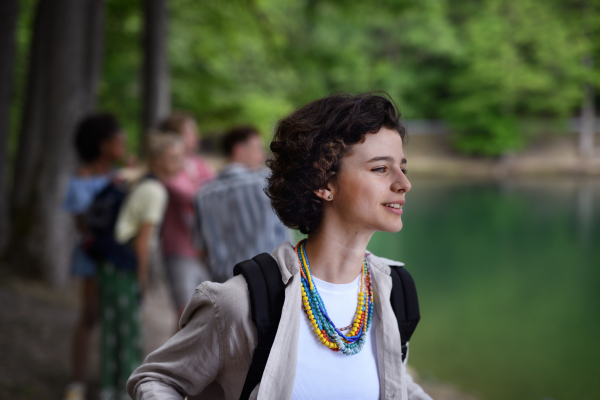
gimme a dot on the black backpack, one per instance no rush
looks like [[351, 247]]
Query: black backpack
[[267, 295], [100, 219]]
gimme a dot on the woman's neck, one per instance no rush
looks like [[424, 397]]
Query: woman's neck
[[159, 174], [336, 255], [100, 166]]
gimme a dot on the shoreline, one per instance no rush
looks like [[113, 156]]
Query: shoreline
[[431, 155], [508, 167], [546, 155]]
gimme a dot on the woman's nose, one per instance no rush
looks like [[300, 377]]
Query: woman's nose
[[401, 184]]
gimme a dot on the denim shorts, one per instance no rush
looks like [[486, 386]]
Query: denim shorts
[[82, 266]]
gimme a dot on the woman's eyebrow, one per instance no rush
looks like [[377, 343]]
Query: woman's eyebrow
[[382, 158], [386, 158]]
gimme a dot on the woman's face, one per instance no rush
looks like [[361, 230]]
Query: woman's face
[[251, 152], [171, 161], [370, 188], [189, 135], [114, 148]]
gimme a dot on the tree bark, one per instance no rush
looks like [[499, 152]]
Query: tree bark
[[8, 23], [156, 79], [61, 91], [31, 132]]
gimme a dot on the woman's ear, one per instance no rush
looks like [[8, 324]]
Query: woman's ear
[[328, 192], [324, 193]]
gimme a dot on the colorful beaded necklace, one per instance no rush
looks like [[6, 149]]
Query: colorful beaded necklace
[[314, 308]]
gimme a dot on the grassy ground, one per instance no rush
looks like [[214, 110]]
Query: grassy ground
[[36, 325]]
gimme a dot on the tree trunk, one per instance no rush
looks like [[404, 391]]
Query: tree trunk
[[588, 122], [31, 133], [8, 24], [94, 59], [59, 94], [587, 129], [156, 81]]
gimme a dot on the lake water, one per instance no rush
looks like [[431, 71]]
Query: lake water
[[508, 276]]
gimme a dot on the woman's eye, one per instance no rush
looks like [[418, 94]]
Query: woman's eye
[[404, 171], [379, 169]]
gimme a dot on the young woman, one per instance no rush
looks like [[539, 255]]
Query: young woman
[[100, 143], [338, 175], [120, 289], [182, 263]]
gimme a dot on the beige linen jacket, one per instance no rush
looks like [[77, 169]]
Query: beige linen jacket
[[210, 356]]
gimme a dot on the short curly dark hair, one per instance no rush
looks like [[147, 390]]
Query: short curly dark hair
[[309, 145], [239, 134], [91, 132]]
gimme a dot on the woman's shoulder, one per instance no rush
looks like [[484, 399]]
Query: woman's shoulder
[[203, 166], [382, 263], [230, 301], [150, 187], [87, 181], [80, 191]]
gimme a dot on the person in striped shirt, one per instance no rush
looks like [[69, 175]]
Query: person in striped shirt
[[234, 218]]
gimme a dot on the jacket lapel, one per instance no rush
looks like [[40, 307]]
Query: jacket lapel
[[389, 352], [278, 379]]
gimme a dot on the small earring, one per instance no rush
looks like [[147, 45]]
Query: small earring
[[330, 197]]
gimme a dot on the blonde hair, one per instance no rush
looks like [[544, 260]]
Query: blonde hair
[[175, 122], [158, 142]]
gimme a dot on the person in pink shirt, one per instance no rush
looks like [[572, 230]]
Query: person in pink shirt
[[182, 262]]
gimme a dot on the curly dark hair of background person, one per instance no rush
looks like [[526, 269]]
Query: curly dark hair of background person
[[309, 145], [91, 132]]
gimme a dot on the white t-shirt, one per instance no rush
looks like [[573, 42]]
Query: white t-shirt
[[325, 374], [144, 205]]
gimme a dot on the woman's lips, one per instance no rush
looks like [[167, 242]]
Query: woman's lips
[[396, 208]]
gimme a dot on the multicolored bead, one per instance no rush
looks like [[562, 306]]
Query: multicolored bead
[[314, 308]]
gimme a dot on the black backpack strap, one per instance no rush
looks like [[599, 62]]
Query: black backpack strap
[[405, 304], [267, 295]]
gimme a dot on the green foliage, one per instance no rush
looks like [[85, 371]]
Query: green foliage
[[120, 88], [23, 36], [482, 66], [486, 134], [254, 61], [520, 59]]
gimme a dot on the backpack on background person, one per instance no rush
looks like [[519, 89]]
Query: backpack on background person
[[101, 218]]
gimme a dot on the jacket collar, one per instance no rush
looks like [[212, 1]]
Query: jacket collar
[[236, 169], [287, 261], [233, 169], [382, 263]]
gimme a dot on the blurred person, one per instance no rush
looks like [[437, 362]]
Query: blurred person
[[121, 288], [235, 220], [99, 144], [182, 264], [338, 175]]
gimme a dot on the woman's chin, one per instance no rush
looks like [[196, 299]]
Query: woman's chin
[[392, 227]]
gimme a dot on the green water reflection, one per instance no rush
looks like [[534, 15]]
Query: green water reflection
[[508, 282]]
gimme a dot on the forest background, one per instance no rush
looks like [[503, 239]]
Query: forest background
[[486, 68]]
